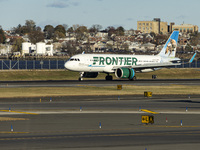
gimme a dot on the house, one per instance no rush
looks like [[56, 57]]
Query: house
[[39, 48]]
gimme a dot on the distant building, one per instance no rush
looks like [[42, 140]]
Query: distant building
[[185, 28], [155, 26], [38, 49]]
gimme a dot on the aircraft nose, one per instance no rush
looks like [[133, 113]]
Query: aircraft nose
[[67, 65]]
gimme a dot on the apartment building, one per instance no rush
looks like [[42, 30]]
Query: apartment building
[[185, 28], [155, 26]]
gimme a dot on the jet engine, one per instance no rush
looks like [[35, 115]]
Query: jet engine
[[125, 73], [90, 74]]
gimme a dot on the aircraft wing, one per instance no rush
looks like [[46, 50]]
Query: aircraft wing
[[147, 66]]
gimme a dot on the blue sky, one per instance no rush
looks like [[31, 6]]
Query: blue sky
[[115, 13]]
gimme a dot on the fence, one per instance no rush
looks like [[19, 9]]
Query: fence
[[59, 64], [31, 64]]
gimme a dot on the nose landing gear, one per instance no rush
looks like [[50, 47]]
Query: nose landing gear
[[81, 76]]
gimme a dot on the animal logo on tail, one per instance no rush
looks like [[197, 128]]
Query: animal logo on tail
[[171, 47]]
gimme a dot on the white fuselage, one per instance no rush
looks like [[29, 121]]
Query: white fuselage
[[106, 62]]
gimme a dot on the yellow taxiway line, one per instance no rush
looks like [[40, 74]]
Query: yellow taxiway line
[[148, 111], [19, 112]]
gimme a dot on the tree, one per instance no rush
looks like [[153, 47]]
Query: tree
[[2, 36], [27, 28], [30, 26], [58, 35], [120, 31], [65, 26], [36, 36], [95, 28], [69, 47], [18, 29], [17, 45], [49, 31], [70, 30], [111, 30], [59, 32], [81, 33], [60, 28]]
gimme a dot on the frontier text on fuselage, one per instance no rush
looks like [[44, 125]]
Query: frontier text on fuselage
[[114, 61]]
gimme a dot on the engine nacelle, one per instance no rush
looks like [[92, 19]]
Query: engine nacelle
[[90, 74], [125, 73]]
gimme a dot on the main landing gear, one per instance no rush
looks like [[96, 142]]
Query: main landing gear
[[109, 78], [133, 79]]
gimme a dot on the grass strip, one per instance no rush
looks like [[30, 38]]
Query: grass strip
[[92, 90], [21, 75]]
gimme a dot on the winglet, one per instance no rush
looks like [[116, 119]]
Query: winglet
[[192, 58]]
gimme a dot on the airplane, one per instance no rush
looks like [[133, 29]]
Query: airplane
[[125, 66]]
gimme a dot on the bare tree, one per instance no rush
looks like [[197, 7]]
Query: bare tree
[[36, 36]]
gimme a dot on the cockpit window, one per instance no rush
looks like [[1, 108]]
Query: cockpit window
[[74, 59]]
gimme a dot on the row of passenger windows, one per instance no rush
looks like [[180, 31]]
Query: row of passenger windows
[[74, 59]]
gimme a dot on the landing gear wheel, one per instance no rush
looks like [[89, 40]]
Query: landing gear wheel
[[81, 76], [134, 78], [109, 78]]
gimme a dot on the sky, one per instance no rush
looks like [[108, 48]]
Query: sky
[[106, 13]]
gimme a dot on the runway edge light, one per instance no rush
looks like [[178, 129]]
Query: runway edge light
[[100, 125], [11, 128]]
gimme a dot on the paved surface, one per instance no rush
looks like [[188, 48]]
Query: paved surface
[[71, 83], [73, 122], [60, 124]]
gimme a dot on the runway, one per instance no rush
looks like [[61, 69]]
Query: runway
[[123, 131], [100, 122], [73, 122], [73, 83]]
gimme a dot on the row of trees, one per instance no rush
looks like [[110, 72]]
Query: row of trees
[[36, 34]]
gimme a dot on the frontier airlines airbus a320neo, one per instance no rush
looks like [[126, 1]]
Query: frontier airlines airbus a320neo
[[125, 66]]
